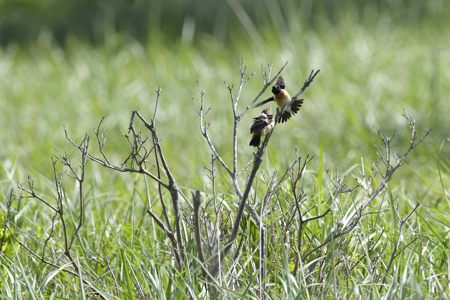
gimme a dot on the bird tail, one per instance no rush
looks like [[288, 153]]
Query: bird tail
[[256, 140]]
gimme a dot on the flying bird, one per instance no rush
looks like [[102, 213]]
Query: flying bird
[[284, 101], [261, 126]]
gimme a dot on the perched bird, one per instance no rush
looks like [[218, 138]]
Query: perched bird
[[261, 126], [283, 99]]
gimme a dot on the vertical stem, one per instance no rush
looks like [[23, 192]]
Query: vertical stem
[[262, 258]]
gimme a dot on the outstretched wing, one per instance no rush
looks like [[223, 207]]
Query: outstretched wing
[[293, 108], [295, 105]]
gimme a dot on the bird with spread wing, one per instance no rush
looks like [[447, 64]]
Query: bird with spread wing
[[288, 106]]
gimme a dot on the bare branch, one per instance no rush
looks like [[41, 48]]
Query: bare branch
[[196, 200], [351, 220], [316, 217], [243, 200], [172, 186], [32, 194], [169, 234], [267, 83], [161, 199], [204, 130], [84, 148], [257, 159], [101, 140], [307, 82], [158, 96], [50, 235], [104, 163], [397, 244]]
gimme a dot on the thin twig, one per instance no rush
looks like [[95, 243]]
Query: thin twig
[[172, 186], [105, 164], [267, 83], [80, 180], [204, 130], [307, 82], [351, 220], [397, 244]]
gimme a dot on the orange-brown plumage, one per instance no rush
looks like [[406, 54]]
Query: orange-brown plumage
[[284, 101]]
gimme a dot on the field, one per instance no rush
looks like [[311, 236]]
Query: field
[[371, 75]]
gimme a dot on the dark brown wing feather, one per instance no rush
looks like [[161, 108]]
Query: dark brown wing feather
[[285, 116], [292, 110], [259, 123], [295, 105]]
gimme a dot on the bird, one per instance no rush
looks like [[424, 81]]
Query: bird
[[284, 101], [261, 126]]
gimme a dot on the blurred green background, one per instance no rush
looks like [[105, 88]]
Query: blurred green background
[[70, 63], [66, 64], [24, 20]]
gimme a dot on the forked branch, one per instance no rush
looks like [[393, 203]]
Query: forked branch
[[242, 197]]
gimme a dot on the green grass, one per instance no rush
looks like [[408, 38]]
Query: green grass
[[368, 76]]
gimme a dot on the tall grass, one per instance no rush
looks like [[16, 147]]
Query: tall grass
[[369, 75]]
